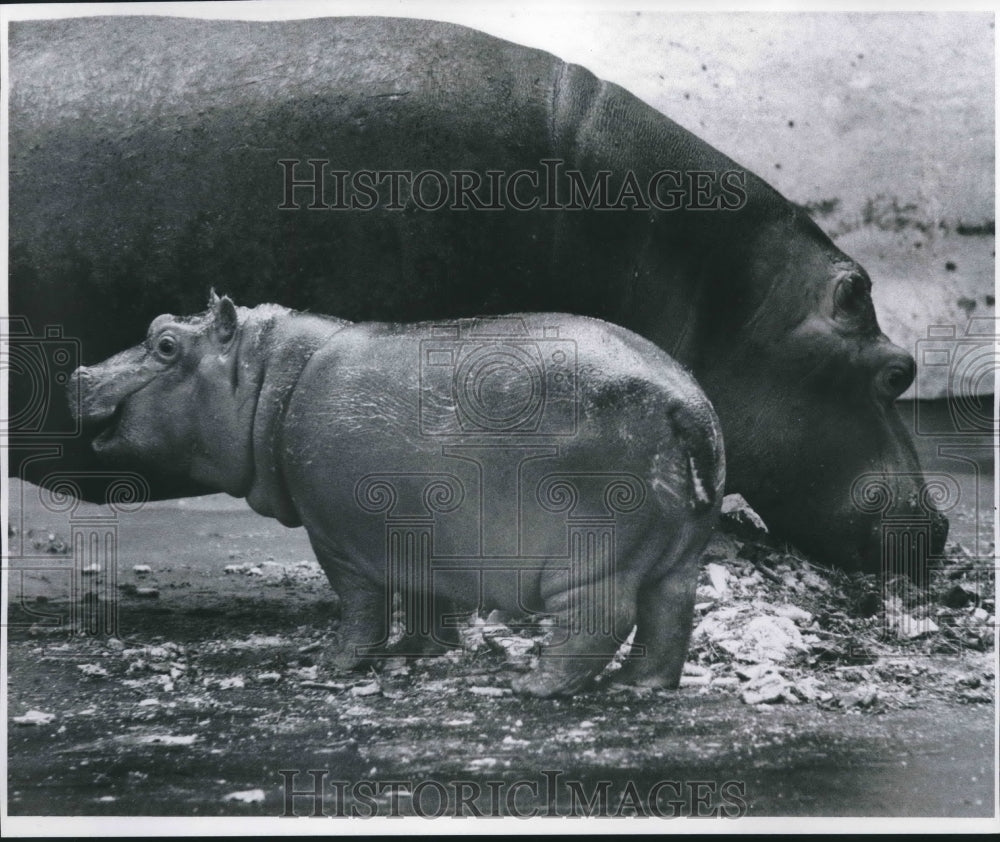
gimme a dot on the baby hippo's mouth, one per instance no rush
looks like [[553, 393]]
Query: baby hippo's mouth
[[99, 422], [98, 400], [103, 427]]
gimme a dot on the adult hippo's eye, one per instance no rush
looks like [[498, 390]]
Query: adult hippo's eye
[[851, 295], [166, 347]]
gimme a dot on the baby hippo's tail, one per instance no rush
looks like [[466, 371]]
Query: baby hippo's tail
[[690, 467]]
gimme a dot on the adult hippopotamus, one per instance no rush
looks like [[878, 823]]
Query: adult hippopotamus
[[540, 462], [404, 169]]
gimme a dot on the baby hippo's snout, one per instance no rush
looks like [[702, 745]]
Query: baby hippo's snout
[[97, 402], [96, 392], [91, 399], [80, 389]]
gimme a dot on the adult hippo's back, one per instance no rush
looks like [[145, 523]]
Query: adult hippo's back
[[144, 159]]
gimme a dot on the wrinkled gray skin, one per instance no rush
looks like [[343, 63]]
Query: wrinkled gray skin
[[296, 412], [143, 169]]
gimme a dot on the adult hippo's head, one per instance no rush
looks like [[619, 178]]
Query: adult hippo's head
[[806, 389]]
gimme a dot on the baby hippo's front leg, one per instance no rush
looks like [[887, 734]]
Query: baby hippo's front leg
[[364, 620]]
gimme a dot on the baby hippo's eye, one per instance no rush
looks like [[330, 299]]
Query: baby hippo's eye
[[166, 346]]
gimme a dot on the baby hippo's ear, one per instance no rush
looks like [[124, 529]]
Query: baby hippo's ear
[[225, 320]]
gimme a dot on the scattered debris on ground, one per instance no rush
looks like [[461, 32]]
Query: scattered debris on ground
[[771, 628], [34, 717]]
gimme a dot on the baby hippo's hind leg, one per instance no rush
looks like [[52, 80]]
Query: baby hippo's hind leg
[[430, 625], [664, 618], [594, 620], [448, 619]]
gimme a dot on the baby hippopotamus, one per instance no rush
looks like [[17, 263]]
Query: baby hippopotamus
[[539, 463]]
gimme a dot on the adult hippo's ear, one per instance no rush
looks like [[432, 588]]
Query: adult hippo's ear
[[225, 320]]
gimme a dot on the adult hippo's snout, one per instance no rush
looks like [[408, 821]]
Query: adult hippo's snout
[[892, 523], [846, 485], [904, 513], [895, 374], [903, 527], [892, 519]]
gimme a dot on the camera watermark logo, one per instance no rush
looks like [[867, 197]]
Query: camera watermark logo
[[491, 376], [968, 362], [911, 508], [39, 367]]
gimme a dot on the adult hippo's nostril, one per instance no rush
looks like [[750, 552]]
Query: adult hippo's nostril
[[899, 521], [895, 376]]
